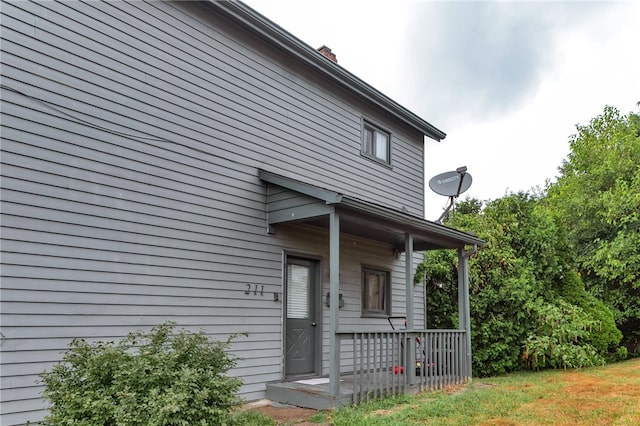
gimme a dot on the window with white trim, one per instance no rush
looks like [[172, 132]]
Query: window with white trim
[[376, 293], [376, 143]]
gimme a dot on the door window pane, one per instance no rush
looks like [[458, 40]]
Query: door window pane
[[298, 291]]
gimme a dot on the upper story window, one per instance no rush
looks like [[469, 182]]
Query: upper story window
[[376, 293], [376, 143]]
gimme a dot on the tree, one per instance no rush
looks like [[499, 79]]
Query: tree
[[521, 284], [597, 200]]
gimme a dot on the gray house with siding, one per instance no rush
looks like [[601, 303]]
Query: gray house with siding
[[194, 162]]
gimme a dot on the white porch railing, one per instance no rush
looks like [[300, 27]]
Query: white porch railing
[[381, 360]]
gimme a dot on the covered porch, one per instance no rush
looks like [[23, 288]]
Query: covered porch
[[369, 362]]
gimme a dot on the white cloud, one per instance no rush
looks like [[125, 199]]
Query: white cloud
[[593, 65]]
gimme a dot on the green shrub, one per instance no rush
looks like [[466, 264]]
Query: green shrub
[[604, 336], [559, 338], [160, 378]]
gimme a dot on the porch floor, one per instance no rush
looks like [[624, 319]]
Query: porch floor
[[314, 393]]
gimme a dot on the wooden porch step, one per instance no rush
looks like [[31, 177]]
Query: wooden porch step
[[310, 394], [314, 393]]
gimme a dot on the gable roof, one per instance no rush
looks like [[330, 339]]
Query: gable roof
[[285, 41]]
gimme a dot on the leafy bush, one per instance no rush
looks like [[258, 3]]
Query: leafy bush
[[559, 340], [160, 378], [619, 355], [604, 336]]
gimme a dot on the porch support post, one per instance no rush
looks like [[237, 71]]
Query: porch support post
[[464, 315], [334, 318], [408, 271]]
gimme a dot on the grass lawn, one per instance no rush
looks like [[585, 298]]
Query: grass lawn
[[607, 395]]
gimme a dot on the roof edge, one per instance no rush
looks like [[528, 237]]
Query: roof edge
[[281, 38], [412, 221], [328, 196]]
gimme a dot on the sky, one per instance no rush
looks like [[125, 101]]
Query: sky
[[507, 81]]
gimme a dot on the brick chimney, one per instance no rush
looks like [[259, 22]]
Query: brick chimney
[[327, 53]]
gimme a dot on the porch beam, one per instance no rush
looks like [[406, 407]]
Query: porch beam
[[334, 318], [296, 213]]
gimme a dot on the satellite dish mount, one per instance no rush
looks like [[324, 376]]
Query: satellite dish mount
[[451, 184]]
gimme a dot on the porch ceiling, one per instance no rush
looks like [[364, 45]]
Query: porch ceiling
[[357, 217]]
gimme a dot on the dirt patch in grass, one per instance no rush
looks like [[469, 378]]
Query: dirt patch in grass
[[387, 411], [288, 415], [597, 396]]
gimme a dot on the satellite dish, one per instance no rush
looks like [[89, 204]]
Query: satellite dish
[[450, 184]]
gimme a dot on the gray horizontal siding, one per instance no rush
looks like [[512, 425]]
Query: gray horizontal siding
[[334, 164], [132, 134]]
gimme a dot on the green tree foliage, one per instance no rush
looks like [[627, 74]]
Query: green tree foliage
[[519, 280], [559, 277], [160, 378], [597, 200], [441, 288]]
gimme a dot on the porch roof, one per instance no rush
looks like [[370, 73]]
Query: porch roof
[[303, 202]]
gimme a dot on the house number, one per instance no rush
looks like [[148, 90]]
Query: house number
[[255, 290]]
